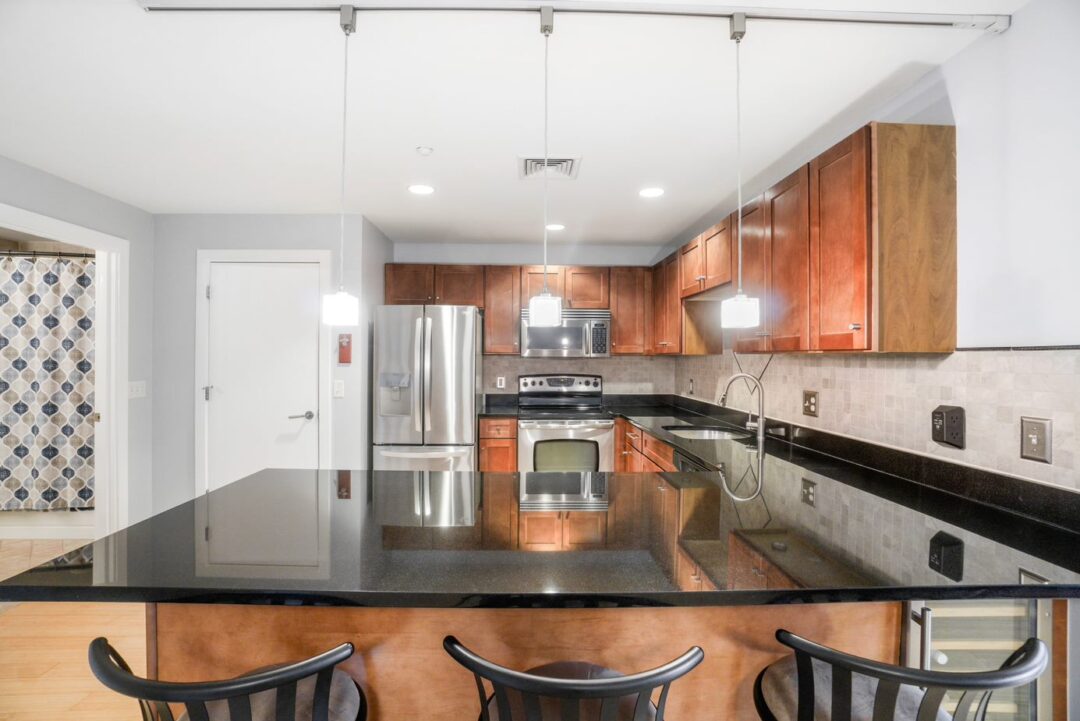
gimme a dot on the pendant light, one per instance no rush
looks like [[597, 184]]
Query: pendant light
[[740, 311], [343, 308], [545, 309]]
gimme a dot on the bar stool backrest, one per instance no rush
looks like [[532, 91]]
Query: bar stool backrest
[[522, 696], [155, 696], [1022, 666]]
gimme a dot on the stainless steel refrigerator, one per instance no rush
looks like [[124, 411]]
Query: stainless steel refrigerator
[[427, 387]]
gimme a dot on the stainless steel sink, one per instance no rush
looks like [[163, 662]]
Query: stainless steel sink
[[706, 434]]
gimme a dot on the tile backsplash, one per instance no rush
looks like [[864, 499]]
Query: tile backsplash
[[888, 400], [626, 374]]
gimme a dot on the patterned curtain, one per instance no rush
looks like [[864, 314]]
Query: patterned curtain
[[46, 383]]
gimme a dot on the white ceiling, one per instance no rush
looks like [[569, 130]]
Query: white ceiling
[[241, 112]]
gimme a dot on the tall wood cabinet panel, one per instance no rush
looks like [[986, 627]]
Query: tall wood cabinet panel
[[751, 340], [840, 268], [459, 285], [717, 246], [499, 515], [692, 267], [409, 283], [587, 287], [787, 259], [532, 281], [630, 310], [502, 309]]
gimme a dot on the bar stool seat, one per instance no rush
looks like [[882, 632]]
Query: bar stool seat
[[780, 691], [345, 701], [578, 670]]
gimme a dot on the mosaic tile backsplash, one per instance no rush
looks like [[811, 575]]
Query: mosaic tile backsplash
[[888, 400], [628, 374]]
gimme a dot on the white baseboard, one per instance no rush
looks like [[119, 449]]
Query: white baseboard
[[40, 525]]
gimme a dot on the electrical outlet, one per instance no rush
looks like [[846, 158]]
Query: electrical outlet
[[809, 403], [1035, 436], [809, 492], [137, 389], [500, 382], [947, 426]]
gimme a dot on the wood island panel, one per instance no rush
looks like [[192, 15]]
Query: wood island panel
[[406, 675]]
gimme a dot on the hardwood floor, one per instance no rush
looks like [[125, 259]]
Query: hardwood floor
[[43, 671]]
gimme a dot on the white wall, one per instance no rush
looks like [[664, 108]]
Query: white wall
[[524, 254], [1015, 100], [37, 191], [178, 239]]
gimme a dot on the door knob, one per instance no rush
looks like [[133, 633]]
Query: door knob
[[306, 415]]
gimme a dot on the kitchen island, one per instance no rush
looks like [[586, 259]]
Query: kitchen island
[[286, 563]]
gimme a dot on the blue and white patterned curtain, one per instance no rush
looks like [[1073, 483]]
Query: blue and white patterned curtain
[[46, 383]]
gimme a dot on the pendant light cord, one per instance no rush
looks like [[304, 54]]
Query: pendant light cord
[[344, 137], [547, 36], [738, 157]]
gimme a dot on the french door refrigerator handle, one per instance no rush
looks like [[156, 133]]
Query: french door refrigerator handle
[[418, 349], [427, 373], [417, 491]]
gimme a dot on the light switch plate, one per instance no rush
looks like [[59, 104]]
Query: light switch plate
[[339, 389], [809, 403], [137, 389], [500, 382], [1035, 439]]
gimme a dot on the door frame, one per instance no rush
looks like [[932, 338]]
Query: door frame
[[111, 348], [203, 260]]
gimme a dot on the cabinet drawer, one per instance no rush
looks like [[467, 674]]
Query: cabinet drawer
[[498, 428], [659, 452]]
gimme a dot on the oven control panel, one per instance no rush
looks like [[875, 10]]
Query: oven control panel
[[553, 384]]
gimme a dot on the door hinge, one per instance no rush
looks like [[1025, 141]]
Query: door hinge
[[208, 292], [206, 392]]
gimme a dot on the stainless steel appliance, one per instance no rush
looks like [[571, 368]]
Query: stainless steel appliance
[[563, 492], [562, 425], [426, 387], [583, 334], [429, 499]]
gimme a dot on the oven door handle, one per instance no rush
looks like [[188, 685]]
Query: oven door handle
[[572, 425]]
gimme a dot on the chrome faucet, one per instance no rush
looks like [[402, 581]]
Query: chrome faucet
[[758, 426]]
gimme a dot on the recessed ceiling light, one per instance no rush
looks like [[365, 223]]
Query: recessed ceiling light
[[556, 226], [651, 192], [421, 189], [425, 150]]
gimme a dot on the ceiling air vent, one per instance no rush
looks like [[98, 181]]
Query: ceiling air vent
[[564, 168]]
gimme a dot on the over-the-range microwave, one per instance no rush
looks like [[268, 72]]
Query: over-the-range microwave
[[583, 334]]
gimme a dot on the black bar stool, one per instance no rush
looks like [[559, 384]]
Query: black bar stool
[[311, 690], [857, 689], [571, 691]]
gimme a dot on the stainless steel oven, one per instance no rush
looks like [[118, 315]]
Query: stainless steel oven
[[583, 334], [562, 425]]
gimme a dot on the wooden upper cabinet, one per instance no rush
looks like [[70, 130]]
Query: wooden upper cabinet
[[630, 311], [787, 234], [409, 283], [502, 309], [752, 340], [692, 267], [716, 242], [667, 306], [532, 281], [459, 285], [840, 268], [587, 287]]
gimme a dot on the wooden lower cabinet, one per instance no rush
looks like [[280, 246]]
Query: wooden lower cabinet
[[498, 445], [626, 521], [499, 512], [749, 570], [687, 575], [584, 530], [562, 530]]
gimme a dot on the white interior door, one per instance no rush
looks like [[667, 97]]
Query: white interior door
[[262, 344]]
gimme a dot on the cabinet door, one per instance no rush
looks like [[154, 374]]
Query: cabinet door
[[670, 541], [673, 322], [587, 287], [777, 579], [584, 530], [717, 245], [840, 258], [787, 231], [629, 310], [752, 340], [409, 284], [622, 448], [502, 309], [626, 510], [459, 285], [692, 267], [532, 281], [498, 516], [498, 455], [687, 576], [540, 531], [744, 571], [658, 309]]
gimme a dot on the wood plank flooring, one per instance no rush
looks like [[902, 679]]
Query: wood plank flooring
[[43, 671]]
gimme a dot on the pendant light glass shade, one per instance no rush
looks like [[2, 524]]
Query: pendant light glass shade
[[341, 308], [545, 311], [741, 311]]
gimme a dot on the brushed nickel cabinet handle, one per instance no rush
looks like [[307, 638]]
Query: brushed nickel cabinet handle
[[855, 326], [700, 278]]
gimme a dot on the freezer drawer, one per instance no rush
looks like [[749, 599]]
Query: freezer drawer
[[431, 499], [425, 458]]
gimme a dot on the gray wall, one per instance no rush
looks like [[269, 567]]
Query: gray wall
[[526, 253], [39, 192], [178, 239]]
